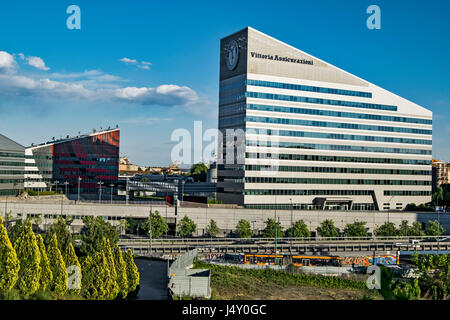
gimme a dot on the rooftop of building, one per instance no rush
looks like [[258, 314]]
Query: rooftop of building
[[79, 136], [10, 145]]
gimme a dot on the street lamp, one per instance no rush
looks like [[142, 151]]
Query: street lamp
[[56, 186], [292, 209], [112, 186], [65, 187], [100, 183], [79, 180]]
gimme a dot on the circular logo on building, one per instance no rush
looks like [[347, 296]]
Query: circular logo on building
[[232, 55]]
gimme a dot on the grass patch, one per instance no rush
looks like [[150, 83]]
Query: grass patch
[[229, 282]]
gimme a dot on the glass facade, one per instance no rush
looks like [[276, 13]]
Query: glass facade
[[92, 158]]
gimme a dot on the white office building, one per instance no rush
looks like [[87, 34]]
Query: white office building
[[316, 136]]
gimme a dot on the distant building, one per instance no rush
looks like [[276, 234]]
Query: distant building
[[441, 173], [12, 163], [84, 161]]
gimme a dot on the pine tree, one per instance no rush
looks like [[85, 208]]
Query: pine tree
[[101, 276], [29, 256], [121, 270], [88, 288], [70, 259], [46, 272], [132, 272], [9, 263], [58, 267], [113, 286]]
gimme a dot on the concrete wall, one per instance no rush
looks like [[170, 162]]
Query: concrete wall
[[225, 218]]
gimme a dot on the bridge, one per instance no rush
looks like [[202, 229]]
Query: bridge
[[321, 246]]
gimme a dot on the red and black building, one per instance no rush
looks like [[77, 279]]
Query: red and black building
[[85, 161]]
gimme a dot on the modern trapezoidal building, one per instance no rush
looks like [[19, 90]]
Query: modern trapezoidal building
[[339, 142], [87, 159]]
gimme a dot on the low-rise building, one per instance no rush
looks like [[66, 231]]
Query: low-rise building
[[12, 163]]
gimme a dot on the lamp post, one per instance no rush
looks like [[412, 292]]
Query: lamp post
[[100, 183], [65, 187], [56, 186], [79, 180], [112, 186], [292, 209], [182, 191]]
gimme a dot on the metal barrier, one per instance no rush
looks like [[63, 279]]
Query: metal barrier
[[188, 282]]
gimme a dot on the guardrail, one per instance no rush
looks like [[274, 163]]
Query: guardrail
[[281, 240]]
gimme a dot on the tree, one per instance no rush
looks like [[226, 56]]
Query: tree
[[132, 273], [243, 229], [409, 231], [93, 232], [273, 228], [9, 263], [415, 230], [46, 272], [29, 256], [327, 229], [406, 291], [16, 230], [60, 228], [199, 171], [70, 259], [58, 267], [299, 230], [186, 227], [121, 270], [438, 196], [386, 230], [212, 230], [434, 275], [158, 223], [434, 229], [356, 229], [88, 288], [113, 287], [98, 277]]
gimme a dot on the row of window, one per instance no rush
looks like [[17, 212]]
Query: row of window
[[351, 104], [336, 181], [11, 164], [313, 146], [341, 114], [355, 207], [265, 192], [232, 109], [336, 136], [12, 155], [11, 172], [11, 180], [253, 167], [8, 192], [282, 156], [406, 193], [299, 87], [353, 126]]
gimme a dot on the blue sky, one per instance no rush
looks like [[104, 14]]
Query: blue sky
[[64, 81]]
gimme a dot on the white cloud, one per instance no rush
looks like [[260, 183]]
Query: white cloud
[[7, 62], [37, 63], [127, 60], [162, 95], [142, 65], [91, 85]]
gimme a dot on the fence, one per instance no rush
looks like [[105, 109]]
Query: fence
[[188, 282]]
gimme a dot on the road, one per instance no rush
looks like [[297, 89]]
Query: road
[[152, 279]]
